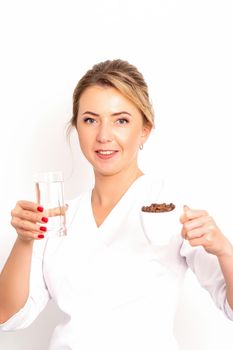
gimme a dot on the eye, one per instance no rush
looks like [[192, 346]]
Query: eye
[[122, 121], [89, 120]]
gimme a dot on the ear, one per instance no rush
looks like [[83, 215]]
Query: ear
[[146, 129]]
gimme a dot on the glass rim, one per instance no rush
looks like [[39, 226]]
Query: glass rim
[[48, 176]]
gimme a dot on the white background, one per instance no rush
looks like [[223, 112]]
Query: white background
[[184, 50]]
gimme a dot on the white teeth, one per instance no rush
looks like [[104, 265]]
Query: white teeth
[[106, 152]]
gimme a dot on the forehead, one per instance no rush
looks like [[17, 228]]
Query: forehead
[[105, 98]]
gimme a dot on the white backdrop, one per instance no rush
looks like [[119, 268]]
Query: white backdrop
[[184, 50]]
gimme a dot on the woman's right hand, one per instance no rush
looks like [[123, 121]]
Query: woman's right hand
[[28, 220]]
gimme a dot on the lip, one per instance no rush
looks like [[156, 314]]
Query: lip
[[111, 153]]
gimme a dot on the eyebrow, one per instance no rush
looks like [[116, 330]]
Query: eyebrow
[[113, 114]]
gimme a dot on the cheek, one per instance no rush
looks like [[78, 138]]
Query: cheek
[[83, 140], [128, 137], [83, 134]]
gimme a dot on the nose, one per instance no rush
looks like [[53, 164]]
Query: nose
[[104, 133]]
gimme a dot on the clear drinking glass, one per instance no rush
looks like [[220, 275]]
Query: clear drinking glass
[[50, 195]]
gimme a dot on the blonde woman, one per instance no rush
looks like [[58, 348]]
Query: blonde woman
[[117, 273]]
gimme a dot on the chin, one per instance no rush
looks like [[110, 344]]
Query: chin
[[106, 172]]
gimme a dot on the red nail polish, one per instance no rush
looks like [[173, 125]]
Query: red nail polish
[[40, 209], [40, 236], [43, 228], [45, 219]]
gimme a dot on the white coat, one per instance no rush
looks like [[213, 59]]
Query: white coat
[[118, 284]]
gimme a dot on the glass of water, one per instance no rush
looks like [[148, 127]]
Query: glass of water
[[50, 195]]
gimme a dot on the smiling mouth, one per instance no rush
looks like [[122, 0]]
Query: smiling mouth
[[106, 154]]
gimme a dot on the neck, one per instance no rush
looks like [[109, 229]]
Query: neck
[[109, 189]]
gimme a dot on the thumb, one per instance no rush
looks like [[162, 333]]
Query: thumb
[[57, 211], [186, 208], [183, 217]]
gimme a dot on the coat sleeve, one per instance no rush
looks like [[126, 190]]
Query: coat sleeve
[[38, 294], [209, 274]]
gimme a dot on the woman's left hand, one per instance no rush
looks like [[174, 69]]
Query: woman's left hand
[[200, 229]]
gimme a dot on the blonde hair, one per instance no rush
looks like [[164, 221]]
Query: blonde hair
[[122, 76]]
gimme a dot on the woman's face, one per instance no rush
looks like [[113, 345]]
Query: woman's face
[[110, 130]]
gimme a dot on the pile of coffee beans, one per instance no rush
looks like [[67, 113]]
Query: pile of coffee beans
[[158, 208]]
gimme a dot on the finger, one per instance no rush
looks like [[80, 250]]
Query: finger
[[30, 216], [183, 216], [30, 206], [27, 235], [204, 241], [190, 214], [195, 223], [25, 225], [196, 233], [57, 211], [195, 242]]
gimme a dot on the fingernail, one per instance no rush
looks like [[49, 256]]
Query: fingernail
[[44, 219], [40, 209], [43, 228], [40, 236]]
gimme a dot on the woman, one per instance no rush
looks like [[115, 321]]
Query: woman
[[117, 274]]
